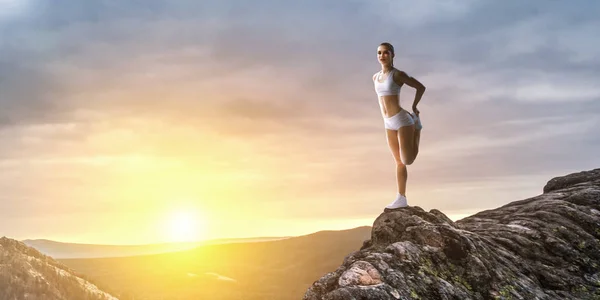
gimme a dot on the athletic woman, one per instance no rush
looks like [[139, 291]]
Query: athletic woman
[[403, 129]]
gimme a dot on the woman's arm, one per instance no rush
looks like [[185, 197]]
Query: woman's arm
[[402, 77]]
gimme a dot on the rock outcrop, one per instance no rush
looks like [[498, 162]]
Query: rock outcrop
[[544, 247], [25, 273]]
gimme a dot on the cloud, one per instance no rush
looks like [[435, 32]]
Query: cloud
[[279, 97], [220, 277], [110, 60]]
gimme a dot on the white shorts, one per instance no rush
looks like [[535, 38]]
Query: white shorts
[[401, 119]]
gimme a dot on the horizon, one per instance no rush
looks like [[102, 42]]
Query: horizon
[[163, 122], [198, 241], [191, 241]]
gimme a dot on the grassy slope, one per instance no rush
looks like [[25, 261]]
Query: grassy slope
[[281, 269]]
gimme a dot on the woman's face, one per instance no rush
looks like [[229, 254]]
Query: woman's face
[[384, 55]]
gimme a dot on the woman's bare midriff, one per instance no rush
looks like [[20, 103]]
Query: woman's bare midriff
[[390, 105]]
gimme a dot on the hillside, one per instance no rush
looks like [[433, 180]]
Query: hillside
[[25, 273], [281, 269]]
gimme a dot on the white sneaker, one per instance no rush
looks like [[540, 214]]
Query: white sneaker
[[399, 202]]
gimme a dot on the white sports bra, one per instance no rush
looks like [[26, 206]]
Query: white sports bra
[[388, 86]]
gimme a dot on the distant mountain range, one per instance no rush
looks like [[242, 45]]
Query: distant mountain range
[[59, 250]]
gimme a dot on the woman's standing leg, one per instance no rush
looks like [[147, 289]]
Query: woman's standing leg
[[401, 173]]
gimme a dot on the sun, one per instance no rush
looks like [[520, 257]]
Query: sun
[[184, 226]]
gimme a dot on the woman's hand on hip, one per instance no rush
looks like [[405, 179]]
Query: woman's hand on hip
[[415, 110]]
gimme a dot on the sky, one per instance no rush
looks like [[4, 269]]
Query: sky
[[131, 122]]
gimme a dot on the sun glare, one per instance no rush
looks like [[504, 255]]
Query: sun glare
[[184, 226]]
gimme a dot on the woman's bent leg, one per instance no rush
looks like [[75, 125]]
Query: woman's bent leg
[[417, 135], [406, 137]]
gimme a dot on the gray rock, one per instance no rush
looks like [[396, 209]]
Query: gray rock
[[26, 273], [544, 247]]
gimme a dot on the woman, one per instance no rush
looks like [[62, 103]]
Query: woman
[[403, 129]]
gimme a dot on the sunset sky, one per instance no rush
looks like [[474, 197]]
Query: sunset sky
[[259, 118]]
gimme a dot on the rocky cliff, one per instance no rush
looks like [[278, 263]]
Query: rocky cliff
[[25, 273], [545, 247]]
